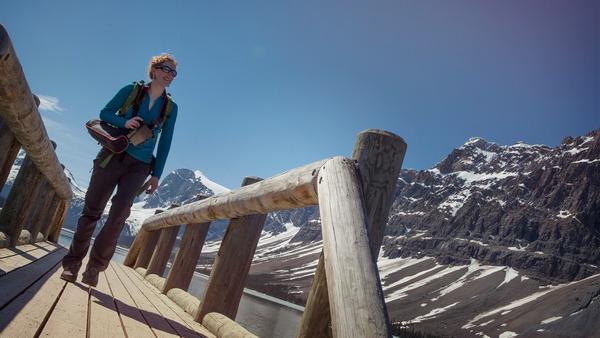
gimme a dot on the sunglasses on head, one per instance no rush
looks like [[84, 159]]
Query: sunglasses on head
[[167, 69]]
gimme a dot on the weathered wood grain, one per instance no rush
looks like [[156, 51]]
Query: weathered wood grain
[[134, 322], [357, 308], [10, 149], [178, 324], [186, 259], [157, 322], [163, 250], [146, 249], [24, 315], [228, 275], [292, 189], [104, 319], [19, 112], [14, 262], [222, 326], [16, 281], [379, 155], [69, 316], [19, 203], [174, 306], [57, 221]]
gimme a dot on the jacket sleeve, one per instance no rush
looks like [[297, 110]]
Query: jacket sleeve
[[109, 112], [164, 144]]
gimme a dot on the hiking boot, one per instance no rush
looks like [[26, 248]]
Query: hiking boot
[[90, 276], [69, 275]]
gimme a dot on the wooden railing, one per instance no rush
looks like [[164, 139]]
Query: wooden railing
[[354, 198], [39, 198]]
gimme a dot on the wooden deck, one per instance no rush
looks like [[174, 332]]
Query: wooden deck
[[35, 302]]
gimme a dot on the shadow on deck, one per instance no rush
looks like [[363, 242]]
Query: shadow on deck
[[34, 301]]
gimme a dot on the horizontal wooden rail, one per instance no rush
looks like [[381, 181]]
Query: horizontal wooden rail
[[19, 112], [293, 189]]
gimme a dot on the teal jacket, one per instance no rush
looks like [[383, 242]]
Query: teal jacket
[[144, 151]]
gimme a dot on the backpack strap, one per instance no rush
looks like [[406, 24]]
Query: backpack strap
[[165, 110], [134, 99]]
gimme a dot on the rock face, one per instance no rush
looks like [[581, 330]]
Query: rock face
[[178, 187], [533, 208]]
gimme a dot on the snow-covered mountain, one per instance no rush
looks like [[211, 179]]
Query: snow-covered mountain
[[492, 241], [178, 187]]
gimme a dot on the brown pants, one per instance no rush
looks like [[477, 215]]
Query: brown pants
[[126, 174]]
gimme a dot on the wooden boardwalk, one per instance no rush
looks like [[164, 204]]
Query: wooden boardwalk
[[35, 302]]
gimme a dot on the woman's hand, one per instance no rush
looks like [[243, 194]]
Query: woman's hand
[[134, 122], [153, 184]]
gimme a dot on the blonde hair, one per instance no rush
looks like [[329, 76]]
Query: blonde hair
[[158, 59]]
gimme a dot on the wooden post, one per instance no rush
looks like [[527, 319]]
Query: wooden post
[[19, 112], [58, 220], [10, 149], [146, 249], [163, 250], [49, 215], [41, 202], [134, 249], [379, 155], [19, 202], [186, 259], [228, 275], [355, 294]]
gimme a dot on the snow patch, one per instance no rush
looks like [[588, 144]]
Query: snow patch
[[474, 271], [564, 214], [507, 334], [510, 275], [432, 314], [575, 151], [585, 160], [215, 187], [550, 320]]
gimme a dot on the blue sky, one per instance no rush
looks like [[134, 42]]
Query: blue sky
[[266, 86]]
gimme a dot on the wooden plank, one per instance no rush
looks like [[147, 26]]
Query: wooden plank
[[70, 315], [355, 294], [174, 320], [24, 316], [134, 323], [189, 320], [21, 249], [10, 263], [159, 325], [104, 320], [19, 280], [292, 189]]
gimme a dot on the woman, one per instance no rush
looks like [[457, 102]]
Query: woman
[[126, 171]]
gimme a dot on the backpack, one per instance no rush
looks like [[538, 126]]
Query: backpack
[[117, 139], [135, 98]]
